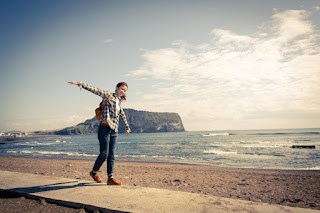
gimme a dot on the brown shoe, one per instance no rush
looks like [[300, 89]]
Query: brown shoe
[[112, 181], [96, 177]]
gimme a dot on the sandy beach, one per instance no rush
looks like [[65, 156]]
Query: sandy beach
[[297, 188]]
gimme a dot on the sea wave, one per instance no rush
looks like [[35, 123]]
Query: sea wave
[[260, 146], [288, 133], [217, 152], [42, 143], [215, 134], [311, 168], [150, 156], [76, 154], [36, 143]]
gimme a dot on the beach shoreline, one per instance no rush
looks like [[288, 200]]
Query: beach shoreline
[[296, 188]]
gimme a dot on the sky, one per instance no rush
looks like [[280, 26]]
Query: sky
[[221, 65]]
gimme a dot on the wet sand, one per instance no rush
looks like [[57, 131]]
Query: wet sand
[[297, 188]]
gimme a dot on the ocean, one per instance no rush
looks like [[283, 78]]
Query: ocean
[[265, 149]]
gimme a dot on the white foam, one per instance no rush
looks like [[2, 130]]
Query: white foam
[[52, 153], [217, 152], [215, 134], [312, 168], [260, 146], [35, 144]]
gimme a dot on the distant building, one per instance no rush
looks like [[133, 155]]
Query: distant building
[[13, 134]]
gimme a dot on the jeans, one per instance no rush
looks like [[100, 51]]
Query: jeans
[[107, 140]]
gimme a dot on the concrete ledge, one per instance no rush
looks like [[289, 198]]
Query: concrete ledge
[[78, 193]]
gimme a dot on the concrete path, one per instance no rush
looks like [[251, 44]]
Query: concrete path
[[91, 195]]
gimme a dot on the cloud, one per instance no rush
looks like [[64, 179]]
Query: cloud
[[45, 124], [237, 77], [317, 8], [292, 23], [107, 40]]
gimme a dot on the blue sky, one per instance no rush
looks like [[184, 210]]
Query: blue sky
[[219, 64]]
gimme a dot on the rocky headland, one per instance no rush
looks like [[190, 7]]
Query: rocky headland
[[139, 121]]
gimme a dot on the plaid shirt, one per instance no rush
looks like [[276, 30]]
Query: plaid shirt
[[109, 112]]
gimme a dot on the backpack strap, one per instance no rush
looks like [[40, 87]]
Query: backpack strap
[[104, 104]]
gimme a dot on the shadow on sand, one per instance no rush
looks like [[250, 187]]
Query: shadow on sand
[[28, 192]]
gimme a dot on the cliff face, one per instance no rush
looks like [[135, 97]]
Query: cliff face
[[142, 121], [139, 121]]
